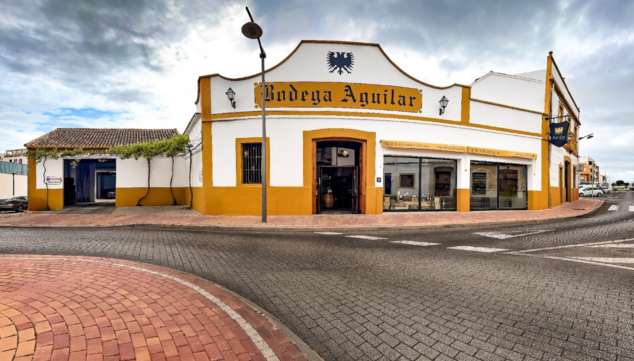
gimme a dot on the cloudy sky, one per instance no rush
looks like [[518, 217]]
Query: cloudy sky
[[134, 63]]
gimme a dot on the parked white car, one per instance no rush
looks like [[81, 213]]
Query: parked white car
[[590, 192]]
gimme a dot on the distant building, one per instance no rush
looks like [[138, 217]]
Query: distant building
[[14, 156]]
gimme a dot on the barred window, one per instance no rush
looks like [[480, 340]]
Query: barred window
[[252, 163]]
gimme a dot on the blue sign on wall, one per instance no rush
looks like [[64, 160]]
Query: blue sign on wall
[[559, 133]]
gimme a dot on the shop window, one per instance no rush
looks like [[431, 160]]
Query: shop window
[[406, 181], [252, 163], [413, 183], [498, 186]]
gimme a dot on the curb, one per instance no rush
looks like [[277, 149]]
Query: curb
[[302, 346], [593, 210]]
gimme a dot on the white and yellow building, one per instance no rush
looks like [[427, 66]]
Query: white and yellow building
[[349, 132]]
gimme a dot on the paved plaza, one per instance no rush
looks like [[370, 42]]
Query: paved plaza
[[537, 291]]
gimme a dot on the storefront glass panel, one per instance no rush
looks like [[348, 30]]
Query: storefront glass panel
[[414, 183], [498, 186]]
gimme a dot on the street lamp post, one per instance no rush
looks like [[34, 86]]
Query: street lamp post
[[253, 31]]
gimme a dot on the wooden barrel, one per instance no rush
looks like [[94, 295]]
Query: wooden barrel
[[328, 200]]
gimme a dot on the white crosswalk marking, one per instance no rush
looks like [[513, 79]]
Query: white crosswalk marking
[[415, 243], [511, 234], [478, 249], [367, 237], [614, 246], [613, 208], [631, 209], [606, 259], [329, 233]]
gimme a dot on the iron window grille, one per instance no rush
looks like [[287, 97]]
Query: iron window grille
[[252, 163]]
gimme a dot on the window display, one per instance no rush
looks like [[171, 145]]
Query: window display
[[414, 183], [498, 186]]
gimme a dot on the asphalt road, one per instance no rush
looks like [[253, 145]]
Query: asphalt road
[[521, 292]]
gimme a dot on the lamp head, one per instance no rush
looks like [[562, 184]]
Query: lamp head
[[252, 30]]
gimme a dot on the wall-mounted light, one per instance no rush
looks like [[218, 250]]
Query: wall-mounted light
[[231, 95], [443, 104]]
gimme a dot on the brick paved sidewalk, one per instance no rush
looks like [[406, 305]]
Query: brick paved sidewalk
[[387, 220], [81, 308]]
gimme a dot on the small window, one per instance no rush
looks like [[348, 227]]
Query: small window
[[406, 181], [252, 163], [20, 161]]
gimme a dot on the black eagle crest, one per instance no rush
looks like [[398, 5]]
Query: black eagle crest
[[340, 60]]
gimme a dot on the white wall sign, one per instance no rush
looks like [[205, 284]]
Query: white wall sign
[[53, 180]]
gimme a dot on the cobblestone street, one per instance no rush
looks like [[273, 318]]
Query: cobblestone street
[[463, 293]]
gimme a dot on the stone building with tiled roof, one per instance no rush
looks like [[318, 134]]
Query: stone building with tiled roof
[[99, 177], [91, 138]]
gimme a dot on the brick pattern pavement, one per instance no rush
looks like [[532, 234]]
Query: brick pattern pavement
[[54, 308], [387, 220]]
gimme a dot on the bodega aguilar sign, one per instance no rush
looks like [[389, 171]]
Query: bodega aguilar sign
[[340, 95], [559, 133]]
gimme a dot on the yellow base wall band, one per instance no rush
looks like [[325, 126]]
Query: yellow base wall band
[[128, 197], [37, 197], [463, 200], [537, 200]]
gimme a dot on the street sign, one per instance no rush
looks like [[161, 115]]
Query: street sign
[[53, 180], [559, 133]]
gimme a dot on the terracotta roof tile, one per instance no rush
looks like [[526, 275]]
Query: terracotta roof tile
[[98, 138]]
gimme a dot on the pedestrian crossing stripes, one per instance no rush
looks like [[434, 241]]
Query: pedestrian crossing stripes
[[478, 249], [329, 233], [372, 238], [613, 208], [416, 243], [614, 246]]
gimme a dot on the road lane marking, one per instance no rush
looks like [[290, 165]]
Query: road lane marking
[[577, 260], [329, 233], [478, 249], [613, 208], [572, 245], [614, 246], [606, 259], [500, 235], [415, 243], [372, 238]]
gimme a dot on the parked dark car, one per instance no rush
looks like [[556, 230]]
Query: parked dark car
[[15, 203]]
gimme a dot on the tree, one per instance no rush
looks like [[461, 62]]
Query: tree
[[620, 183], [149, 150]]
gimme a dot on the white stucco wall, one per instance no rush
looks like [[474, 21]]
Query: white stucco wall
[[308, 64], [511, 90], [501, 117], [54, 168], [132, 173], [286, 137]]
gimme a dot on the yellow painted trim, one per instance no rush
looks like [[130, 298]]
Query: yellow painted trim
[[372, 205], [203, 202], [227, 116], [563, 100], [204, 89], [501, 153], [426, 146], [507, 106], [465, 114], [463, 200], [37, 197], [258, 140], [564, 81], [158, 196]]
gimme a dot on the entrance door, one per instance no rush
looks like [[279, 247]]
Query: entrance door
[[567, 179], [355, 190]]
